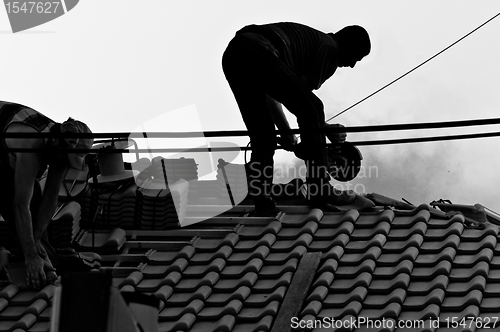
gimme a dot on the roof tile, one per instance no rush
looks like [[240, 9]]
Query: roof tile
[[172, 313], [352, 308], [238, 271], [260, 299], [328, 233], [231, 284], [424, 287], [457, 303], [289, 233], [184, 298], [201, 258], [446, 317], [374, 301], [334, 220], [329, 265], [419, 302], [339, 300], [408, 220], [382, 228], [384, 286], [392, 310], [415, 240], [191, 284], [427, 273], [437, 234], [324, 279], [287, 245], [462, 288], [391, 259], [437, 245], [266, 285], [353, 271], [217, 265], [183, 324], [473, 247], [264, 324], [283, 257], [219, 299], [405, 266], [318, 293], [335, 252], [348, 284], [244, 257], [204, 245], [251, 314], [159, 257], [313, 308], [464, 260], [246, 232], [354, 258], [326, 245], [399, 234], [424, 260], [269, 271], [464, 274], [429, 312], [232, 308], [299, 220], [250, 245]]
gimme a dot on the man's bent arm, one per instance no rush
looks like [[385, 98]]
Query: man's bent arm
[[48, 203]]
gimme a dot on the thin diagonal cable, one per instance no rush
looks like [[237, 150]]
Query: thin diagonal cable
[[415, 68]]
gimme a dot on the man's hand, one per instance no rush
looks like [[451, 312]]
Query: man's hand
[[288, 142], [337, 137], [35, 274]]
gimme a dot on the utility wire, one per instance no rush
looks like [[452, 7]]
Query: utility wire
[[234, 133], [408, 72], [246, 148]]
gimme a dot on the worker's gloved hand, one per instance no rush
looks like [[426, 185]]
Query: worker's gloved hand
[[337, 137], [288, 142]]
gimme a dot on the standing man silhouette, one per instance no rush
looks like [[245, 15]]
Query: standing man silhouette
[[277, 64]]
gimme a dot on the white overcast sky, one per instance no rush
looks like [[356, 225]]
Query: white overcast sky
[[119, 64]]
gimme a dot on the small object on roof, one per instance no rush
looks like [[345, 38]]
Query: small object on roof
[[111, 166]]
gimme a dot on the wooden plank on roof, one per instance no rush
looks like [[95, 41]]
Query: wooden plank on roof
[[297, 292]]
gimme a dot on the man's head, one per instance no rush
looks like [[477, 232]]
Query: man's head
[[354, 44], [76, 159]]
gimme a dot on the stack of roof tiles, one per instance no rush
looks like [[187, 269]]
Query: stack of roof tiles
[[65, 225], [231, 181], [161, 207], [178, 168], [234, 273], [112, 205]]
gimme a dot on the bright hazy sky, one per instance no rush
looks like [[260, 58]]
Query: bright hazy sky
[[119, 64]]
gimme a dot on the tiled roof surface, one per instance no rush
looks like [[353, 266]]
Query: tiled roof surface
[[234, 272]]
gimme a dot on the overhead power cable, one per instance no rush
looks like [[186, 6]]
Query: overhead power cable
[[245, 148], [234, 133], [415, 68]]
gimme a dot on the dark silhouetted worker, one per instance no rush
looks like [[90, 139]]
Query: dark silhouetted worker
[[278, 64], [22, 202]]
